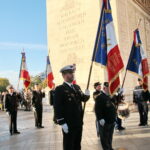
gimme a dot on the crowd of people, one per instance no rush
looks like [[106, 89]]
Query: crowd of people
[[24, 99], [11, 100], [68, 111]]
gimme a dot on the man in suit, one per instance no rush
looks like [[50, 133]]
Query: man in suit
[[141, 97], [106, 116], [68, 108], [37, 97], [11, 105]]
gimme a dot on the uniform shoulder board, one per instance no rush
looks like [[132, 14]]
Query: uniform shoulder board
[[59, 86]]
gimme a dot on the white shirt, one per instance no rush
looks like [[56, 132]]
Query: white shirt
[[70, 84], [11, 94]]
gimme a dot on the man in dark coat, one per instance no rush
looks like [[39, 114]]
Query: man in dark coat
[[11, 106], [68, 108], [106, 116], [51, 101], [37, 97], [141, 97], [97, 87]]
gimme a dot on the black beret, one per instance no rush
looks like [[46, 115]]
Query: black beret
[[106, 84], [96, 84], [139, 79]]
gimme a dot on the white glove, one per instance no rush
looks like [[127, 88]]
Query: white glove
[[43, 90], [65, 128], [121, 91], [33, 108], [102, 122], [7, 113], [87, 92]]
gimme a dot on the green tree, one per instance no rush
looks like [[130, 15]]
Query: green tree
[[4, 82], [37, 80], [44, 84]]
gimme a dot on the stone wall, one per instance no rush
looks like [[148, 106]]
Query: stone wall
[[128, 14], [71, 30]]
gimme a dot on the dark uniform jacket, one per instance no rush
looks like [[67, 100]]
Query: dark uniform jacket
[[95, 94], [68, 106], [139, 95], [105, 109], [37, 99], [51, 97], [11, 102]]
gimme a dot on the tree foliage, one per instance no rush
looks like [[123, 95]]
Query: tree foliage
[[4, 82], [37, 80]]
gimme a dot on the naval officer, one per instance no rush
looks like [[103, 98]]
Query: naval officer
[[106, 116], [68, 108]]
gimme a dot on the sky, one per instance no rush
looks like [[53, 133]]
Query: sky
[[22, 26]]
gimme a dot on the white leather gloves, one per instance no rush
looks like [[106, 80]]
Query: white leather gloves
[[121, 91], [87, 92], [102, 122], [33, 108], [65, 128]]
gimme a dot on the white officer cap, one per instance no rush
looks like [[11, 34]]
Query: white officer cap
[[67, 69], [9, 87]]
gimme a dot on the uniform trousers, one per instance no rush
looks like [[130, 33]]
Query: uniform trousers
[[13, 121], [72, 140], [106, 135]]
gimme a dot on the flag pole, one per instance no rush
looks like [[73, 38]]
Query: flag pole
[[139, 22], [19, 72], [93, 58]]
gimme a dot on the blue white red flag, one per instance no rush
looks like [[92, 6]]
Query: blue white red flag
[[49, 74], [137, 62], [106, 50]]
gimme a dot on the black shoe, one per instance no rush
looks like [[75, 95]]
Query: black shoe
[[141, 124], [41, 126], [11, 133], [16, 132], [121, 128]]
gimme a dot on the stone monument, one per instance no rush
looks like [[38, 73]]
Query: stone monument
[[72, 27]]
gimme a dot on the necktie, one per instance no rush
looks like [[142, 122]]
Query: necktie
[[72, 87]]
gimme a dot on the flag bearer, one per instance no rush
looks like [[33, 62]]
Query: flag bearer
[[106, 116], [140, 97], [68, 108], [38, 95], [97, 87]]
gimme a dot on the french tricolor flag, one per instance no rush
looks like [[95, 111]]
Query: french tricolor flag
[[49, 74], [137, 62], [24, 74], [106, 50]]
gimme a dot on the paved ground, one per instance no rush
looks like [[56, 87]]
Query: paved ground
[[50, 138]]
